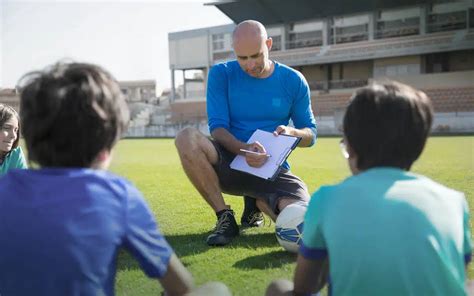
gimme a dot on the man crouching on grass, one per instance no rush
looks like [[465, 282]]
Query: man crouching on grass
[[384, 231]]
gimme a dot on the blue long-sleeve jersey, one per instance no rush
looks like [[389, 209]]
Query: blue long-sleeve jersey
[[241, 103]]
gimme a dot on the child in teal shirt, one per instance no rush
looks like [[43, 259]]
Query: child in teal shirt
[[384, 230], [11, 155]]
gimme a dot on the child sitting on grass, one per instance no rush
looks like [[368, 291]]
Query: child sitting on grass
[[11, 155], [384, 230], [62, 225]]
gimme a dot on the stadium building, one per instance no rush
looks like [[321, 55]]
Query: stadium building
[[9, 96], [339, 47]]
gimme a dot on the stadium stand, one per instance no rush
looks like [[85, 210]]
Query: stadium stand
[[428, 44]]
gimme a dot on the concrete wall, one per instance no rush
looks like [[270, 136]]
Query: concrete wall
[[358, 70], [327, 125], [163, 131], [405, 60], [461, 122], [189, 52], [438, 80], [399, 13], [314, 72]]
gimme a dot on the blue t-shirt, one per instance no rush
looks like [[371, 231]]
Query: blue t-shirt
[[390, 232], [242, 104], [61, 230], [14, 160]]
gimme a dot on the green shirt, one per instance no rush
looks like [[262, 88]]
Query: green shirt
[[390, 232], [14, 160]]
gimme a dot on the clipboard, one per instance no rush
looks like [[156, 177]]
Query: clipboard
[[279, 147]]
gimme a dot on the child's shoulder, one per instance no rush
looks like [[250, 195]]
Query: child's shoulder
[[15, 152], [109, 178], [74, 179], [440, 189]]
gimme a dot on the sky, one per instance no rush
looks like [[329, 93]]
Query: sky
[[128, 38]]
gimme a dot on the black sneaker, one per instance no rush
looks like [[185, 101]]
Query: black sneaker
[[255, 219], [252, 216], [226, 229]]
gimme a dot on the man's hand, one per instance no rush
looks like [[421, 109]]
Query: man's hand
[[283, 129], [306, 134], [256, 160]]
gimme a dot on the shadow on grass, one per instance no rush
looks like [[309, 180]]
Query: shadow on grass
[[192, 244], [273, 259]]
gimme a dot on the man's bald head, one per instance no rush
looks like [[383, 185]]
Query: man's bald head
[[251, 48], [249, 30]]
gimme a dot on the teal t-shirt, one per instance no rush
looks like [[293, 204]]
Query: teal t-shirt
[[14, 160], [390, 232]]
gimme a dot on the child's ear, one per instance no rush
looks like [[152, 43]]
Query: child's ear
[[352, 160], [103, 155], [350, 151], [102, 159]]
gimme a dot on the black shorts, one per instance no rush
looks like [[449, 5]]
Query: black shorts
[[236, 182]]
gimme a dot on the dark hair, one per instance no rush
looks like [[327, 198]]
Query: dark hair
[[387, 125], [6, 113], [69, 113]]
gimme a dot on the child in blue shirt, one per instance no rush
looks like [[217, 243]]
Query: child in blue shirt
[[63, 225], [384, 231], [11, 155]]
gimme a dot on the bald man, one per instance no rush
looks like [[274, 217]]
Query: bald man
[[250, 93]]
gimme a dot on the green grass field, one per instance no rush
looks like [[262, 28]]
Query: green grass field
[[255, 258]]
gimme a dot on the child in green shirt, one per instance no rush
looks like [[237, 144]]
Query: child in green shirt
[[11, 155]]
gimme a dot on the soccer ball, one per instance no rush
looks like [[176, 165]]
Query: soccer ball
[[289, 226]]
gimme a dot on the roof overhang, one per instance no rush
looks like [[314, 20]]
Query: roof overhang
[[270, 12]]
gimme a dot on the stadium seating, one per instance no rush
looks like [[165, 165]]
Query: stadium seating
[[328, 104], [444, 100], [395, 43], [188, 111], [452, 99], [368, 48]]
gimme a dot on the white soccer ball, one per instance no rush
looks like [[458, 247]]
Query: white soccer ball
[[289, 226]]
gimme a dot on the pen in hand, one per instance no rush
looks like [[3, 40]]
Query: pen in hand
[[254, 152]]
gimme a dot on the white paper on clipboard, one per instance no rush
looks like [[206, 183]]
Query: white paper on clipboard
[[278, 147]]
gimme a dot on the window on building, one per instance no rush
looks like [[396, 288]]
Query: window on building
[[350, 29], [217, 42], [305, 34], [223, 56], [305, 39], [216, 37], [439, 22], [400, 27], [437, 62], [452, 61], [398, 22], [351, 33], [276, 43]]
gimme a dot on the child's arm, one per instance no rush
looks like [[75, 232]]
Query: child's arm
[[177, 279], [310, 275]]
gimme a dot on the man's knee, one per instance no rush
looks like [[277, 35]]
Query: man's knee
[[286, 201], [186, 138]]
